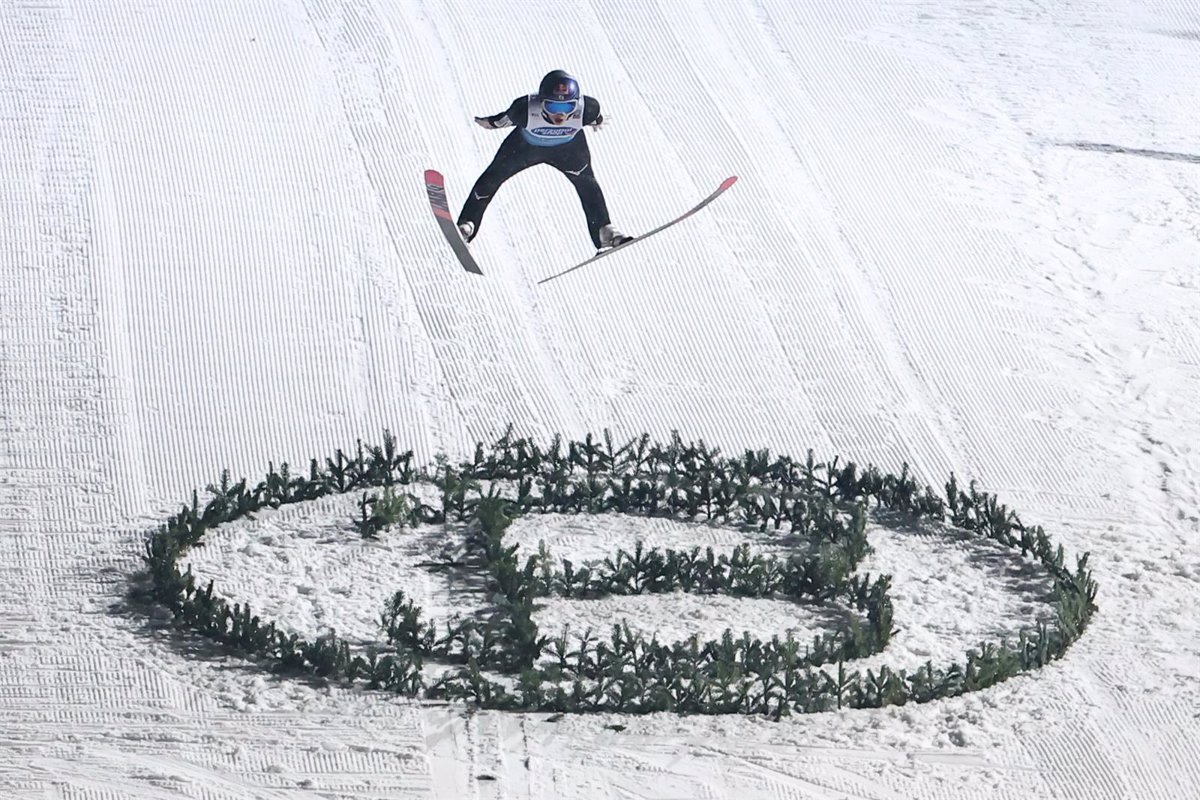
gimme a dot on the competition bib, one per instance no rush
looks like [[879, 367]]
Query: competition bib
[[542, 132]]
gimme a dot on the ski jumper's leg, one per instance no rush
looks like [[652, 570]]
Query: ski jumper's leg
[[574, 160], [514, 155]]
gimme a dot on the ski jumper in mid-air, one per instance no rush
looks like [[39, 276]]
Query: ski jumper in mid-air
[[548, 129]]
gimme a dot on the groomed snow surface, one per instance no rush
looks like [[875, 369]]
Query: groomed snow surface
[[964, 237]]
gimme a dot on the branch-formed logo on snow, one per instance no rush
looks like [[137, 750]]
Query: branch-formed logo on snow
[[808, 521]]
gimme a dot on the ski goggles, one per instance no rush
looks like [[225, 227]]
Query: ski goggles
[[560, 106]]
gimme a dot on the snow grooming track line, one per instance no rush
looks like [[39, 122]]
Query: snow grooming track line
[[540, 339], [130, 477], [187, 201], [61, 427], [942, 315], [486, 368], [933, 453], [174, 771], [876, 264], [1083, 762], [469, 349], [1111, 234], [366, 132], [693, 261], [495, 747], [834, 340], [521, 214], [784, 784], [55, 394], [760, 245], [213, 194], [1146, 770]]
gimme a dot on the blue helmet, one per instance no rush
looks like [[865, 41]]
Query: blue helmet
[[559, 93]]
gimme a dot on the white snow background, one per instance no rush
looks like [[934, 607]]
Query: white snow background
[[965, 237]]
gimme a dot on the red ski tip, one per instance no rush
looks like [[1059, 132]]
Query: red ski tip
[[730, 181], [434, 177]]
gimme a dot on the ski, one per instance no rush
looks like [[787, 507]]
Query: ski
[[725, 184], [435, 184]]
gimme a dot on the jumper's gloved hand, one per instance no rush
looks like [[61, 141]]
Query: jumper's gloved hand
[[486, 122], [601, 121]]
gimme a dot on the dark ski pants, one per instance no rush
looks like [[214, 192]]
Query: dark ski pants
[[572, 159]]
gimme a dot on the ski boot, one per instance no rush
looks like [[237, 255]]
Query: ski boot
[[610, 237]]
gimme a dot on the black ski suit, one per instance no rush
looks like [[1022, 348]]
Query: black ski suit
[[519, 152]]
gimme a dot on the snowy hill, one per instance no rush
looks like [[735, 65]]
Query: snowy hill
[[964, 237]]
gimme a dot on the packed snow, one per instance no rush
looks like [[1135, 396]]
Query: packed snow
[[964, 237]]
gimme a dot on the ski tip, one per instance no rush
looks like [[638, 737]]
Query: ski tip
[[433, 176], [730, 181]]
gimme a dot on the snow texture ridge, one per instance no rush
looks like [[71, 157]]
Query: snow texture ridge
[[963, 237]]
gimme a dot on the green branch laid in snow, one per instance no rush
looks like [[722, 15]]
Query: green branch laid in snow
[[503, 660]]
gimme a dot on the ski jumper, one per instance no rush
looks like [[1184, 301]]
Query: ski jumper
[[538, 140]]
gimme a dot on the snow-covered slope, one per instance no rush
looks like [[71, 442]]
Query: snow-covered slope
[[964, 237]]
